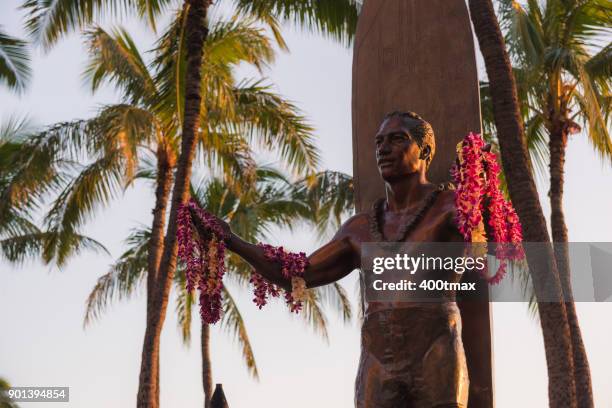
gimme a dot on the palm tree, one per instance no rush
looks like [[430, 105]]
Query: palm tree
[[564, 79], [274, 201], [164, 103], [15, 69], [521, 186], [195, 36], [148, 123], [48, 21]]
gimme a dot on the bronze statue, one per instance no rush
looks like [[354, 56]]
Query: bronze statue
[[411, 352]]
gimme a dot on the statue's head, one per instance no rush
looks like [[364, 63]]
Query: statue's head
[[405, 144]]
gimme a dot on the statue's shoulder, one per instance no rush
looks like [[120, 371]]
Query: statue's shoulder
[[446, 199], [356, 221], [446, 207], [355, 226]]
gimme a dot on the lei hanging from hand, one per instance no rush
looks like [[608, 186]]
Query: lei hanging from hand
[[204, 260], [476, 175], [292, 268]]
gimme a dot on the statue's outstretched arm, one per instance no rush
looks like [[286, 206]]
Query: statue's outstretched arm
[[327, 264]]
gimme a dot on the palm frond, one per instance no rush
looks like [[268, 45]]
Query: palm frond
[[218, 99], [313, 314], [169, 66], [97, 184], [328, 195], [147, 168], [152, 9], [184, 305], [234, 324], [239, 270], [336, 19], [115, 59], [230, 155], [112, 137], [276, 124], [49, 20], [335, 296], [33, 163], [29, 170], [123, 279], [275, 28], [252, 211], [46, 160], [600, 64], [228, 44], [14, 62], [123, 128], [237, 41], [19, 248], [592, 113], [585, 21], [15, 222], [537, 143], [525, 36]]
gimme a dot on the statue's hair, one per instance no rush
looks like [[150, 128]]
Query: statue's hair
[[419, 128]]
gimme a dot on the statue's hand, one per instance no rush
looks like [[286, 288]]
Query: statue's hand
[[205, 231]]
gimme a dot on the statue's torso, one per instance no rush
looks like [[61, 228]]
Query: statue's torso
[[437, 225], [412, 353]]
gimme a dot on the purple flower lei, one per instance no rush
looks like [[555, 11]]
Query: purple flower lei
[[204, 260], [292, 267]]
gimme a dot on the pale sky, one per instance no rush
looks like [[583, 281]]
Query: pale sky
[[44, 343]]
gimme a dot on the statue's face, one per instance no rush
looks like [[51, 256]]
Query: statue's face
[[397, 153]]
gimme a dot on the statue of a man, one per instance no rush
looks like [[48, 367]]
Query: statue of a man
[[411, 353]]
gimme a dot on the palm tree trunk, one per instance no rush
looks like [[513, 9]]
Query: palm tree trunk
[[553, 317], [165, 164], [206, 365], [582, 372], [196, 32]]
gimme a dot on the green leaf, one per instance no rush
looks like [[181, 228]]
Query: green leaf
[[115, 59], [336, 19], [124, 278], [234, 324], [14, 62], [277, 125], [49, 20]]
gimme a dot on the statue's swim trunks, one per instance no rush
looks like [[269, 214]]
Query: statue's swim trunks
[[412, 358]]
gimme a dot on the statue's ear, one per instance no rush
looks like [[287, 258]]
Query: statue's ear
[[425, 152]]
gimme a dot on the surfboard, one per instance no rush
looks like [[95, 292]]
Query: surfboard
[[418, 55]]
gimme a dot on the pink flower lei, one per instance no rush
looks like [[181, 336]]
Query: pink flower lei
[[476, 175], [204, 260]]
